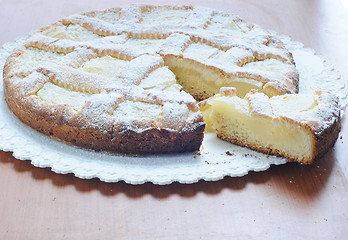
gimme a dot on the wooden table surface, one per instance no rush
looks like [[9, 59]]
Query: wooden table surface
[[285, 202]]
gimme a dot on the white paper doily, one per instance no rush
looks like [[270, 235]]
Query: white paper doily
[[216, 159]]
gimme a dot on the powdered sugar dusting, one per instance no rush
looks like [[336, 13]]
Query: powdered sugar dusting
[[139, 67]]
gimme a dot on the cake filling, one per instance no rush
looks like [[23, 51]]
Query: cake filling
[[269, 66], [37, 55], [160, 79], [105, 66], [137, 110], [54, 94], [71, 32]]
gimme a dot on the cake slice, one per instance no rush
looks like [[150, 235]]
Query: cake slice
[[299, 127]]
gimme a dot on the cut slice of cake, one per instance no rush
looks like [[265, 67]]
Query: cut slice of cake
[[299, 127]]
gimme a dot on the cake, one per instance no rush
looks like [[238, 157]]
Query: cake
[[299, 127], [127, 80]]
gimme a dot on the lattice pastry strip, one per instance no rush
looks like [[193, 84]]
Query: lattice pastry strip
[[30, 84], [72, 32], [130, 15], [98, 27], [228, 24]]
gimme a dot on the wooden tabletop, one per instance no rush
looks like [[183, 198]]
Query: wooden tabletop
[[284, 202]]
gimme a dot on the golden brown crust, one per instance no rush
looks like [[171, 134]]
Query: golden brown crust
[[109, 139], [326, 138]]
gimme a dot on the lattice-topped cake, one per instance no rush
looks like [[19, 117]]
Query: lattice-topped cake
[[128, 80]]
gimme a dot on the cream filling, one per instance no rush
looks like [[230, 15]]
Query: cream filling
[[105, 66], [201, 52], [71, 32], [227, 25], [137, 110], [271, 66], [230, 116], [37, 55], [161, 79], [54, 94], [293, 103]]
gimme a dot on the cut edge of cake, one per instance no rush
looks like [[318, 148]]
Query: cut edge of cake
[[277, 125]]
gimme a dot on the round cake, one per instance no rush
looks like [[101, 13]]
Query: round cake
[[128, 80]]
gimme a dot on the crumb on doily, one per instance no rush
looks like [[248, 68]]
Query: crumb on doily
[[198, 153], [229, 153], [268, 153]]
